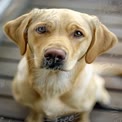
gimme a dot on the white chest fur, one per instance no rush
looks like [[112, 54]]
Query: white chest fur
[[54, 107], [54, 86], [51, 83]]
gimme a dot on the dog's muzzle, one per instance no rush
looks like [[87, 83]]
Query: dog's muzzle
[[54, 59]]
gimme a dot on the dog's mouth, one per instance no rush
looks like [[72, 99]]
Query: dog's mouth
[[53, 64]]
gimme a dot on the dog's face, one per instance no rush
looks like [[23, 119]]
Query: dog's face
[[59, 38]]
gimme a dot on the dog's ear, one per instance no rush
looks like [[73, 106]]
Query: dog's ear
[[16, 31], [102, 40]]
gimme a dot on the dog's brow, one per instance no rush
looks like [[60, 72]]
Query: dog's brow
[[45, 15], [74, 25]]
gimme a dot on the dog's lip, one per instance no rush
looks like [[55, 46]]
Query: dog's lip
[[62, 69]]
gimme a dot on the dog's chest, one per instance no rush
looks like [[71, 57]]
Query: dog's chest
[[53, 107]]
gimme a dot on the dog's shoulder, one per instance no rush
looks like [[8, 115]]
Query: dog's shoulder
[[22, 69]]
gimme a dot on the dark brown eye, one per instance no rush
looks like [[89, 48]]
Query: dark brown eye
[[78, 33], [41, 29]]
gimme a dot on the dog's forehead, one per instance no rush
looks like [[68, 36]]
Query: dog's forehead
[[61, 15]]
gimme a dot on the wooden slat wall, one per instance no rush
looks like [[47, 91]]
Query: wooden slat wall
[[109, 13], [103, 116]]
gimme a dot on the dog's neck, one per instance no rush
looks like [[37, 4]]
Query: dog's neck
[[51, 83], [54, 83]]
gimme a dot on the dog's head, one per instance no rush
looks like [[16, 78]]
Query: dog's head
[[59, 38]]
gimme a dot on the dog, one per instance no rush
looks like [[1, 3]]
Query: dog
[[56, 78]]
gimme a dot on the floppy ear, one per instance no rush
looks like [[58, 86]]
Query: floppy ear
[[102, 40], [16, 31]]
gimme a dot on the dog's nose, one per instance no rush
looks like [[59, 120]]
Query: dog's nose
[[54, 58], [56, 54]]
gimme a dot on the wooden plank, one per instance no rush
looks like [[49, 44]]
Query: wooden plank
[[117, 31], [5, 87], [116, 50], [116, 99], [116, 19], [2, 119], [109, 59], [8, 68], [4, 38], [105, 5], [10, 108], [104, 116], [114, 83], [9, 52]]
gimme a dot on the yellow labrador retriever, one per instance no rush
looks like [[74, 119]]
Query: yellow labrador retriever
[[55, 77]]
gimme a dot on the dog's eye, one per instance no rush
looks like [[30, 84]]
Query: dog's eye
[[78, 33], [41, 29]]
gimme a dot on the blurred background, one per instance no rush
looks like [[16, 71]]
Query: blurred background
[[108, 11]]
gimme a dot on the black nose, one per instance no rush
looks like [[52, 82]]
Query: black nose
[[54, 58]]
